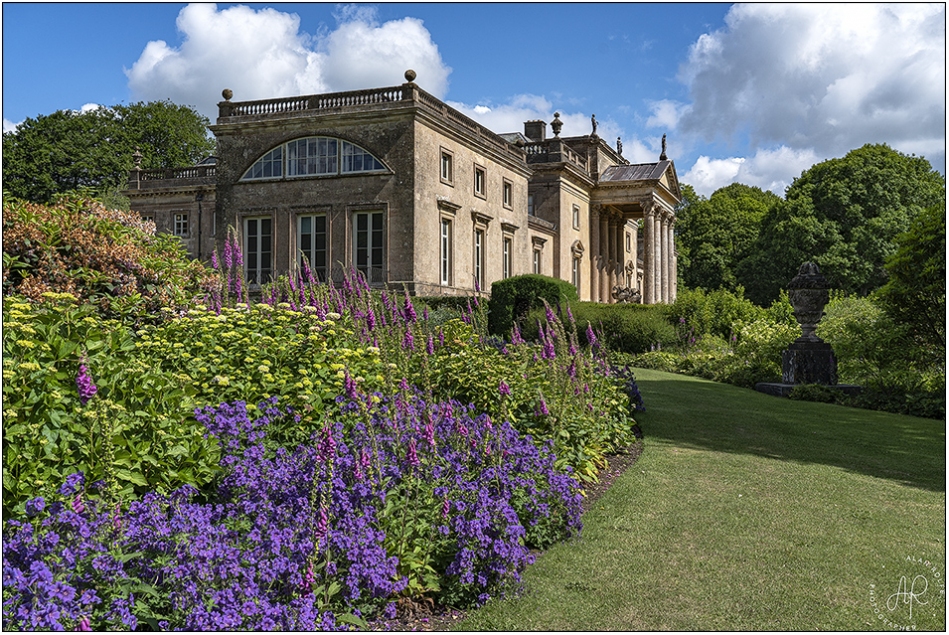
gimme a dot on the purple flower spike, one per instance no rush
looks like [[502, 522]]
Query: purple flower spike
[[591, 336], [504, 389], [77, 505], [228, 254], [408, 342], [413, 455], [84, 382], [84, 624], [543, 407], [430, 346], [370, 320], [214, 263], [410, 315]]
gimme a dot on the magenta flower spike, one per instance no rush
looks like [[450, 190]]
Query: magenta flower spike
[[591, 336], [370, 320], [570, 315], [504, 389], [238, 252], [87, 389], [410, 315], [214, 263], [77, 505], [441, 337], [228, 254], [84, 624], [551, 318], [408, 342], [543, 407], [413, 454], [430, 345]]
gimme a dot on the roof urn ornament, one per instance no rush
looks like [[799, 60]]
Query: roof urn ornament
[[663, 157], [137, 157], [556, 125], [410, 76], [808, 293], [619, 146], [227, 93]]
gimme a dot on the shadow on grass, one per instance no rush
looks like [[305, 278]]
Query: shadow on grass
[[697, 413]]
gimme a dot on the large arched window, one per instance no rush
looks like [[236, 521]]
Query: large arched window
[[313, 156]]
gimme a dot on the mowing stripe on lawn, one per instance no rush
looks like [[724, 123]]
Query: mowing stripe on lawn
[[750, 512]]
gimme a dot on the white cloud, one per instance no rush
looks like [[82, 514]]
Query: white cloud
[[9, 126], [769, 169], [89, 107], [665, 114], [263, 54], [820, 78]]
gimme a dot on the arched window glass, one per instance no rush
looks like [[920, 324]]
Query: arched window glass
[[355, 159], [313, 156], [270, 166]]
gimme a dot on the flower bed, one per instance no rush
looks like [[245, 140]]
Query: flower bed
[[401, 497]]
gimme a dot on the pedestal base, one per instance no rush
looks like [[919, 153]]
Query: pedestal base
[[809, 362]]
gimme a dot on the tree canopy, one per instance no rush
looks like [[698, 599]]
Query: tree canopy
[[69, 150], [844, 214], [715, 234], [915, 294]]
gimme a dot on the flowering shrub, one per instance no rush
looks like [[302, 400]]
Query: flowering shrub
[[110, 258], [402, 496]]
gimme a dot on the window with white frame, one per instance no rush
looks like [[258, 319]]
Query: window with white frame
[[447, 167], [479, 256], [575, 278], [507, 196], [576, 217], [311, 243], [148, 218], [480, 182], [368, 246], [258, 249], [313, 156], [508, 257], [537, 260], [445, 243], [181, 225]]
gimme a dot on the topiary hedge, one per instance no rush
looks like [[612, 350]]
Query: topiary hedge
[[513, 298], [624, 328]]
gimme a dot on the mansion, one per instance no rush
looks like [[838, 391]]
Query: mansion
[[412, 193]]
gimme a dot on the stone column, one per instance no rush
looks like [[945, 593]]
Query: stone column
[[604, 250], [611, 262], [657, 259], [673, 271], [665, 258], [649, 257], [594, 253], [634, 252]]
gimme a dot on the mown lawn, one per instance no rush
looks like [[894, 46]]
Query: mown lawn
[[749, 512]]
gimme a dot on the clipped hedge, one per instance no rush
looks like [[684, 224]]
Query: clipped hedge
[[624, 328], [513, 298]]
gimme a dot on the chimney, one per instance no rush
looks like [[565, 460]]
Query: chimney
[[536, 130]]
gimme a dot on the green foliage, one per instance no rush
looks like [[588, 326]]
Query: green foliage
[[915, 295], [715, 234], [588, 413], [625, 328], [844, 214], [110, 258], [69, 150], [511, 299], [721, 312], [136, 432]]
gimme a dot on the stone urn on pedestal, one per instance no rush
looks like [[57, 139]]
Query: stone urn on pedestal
[[809, 360]]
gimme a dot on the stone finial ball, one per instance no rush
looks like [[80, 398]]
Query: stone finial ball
[[410, 75], [556, 115], [227, 93]]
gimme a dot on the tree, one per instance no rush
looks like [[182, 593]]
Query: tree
[[69, 150], [915, 294], [844, 214], [715, 234]]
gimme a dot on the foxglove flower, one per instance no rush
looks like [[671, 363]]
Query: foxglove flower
[[591, 336], [84, 382], [413, 455], [430, 346], [504, 389]]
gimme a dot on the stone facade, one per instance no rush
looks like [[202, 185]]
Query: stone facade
[[413, 193]]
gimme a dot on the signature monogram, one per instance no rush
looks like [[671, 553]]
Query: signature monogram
[[907, 593]]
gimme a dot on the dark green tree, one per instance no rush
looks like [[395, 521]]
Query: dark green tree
[[717, 233], [915, 294], [844, 214], [92, 150]]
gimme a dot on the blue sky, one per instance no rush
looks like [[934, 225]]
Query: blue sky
[[750, 93]]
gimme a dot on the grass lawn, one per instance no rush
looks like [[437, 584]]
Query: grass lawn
[[750, 512]]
